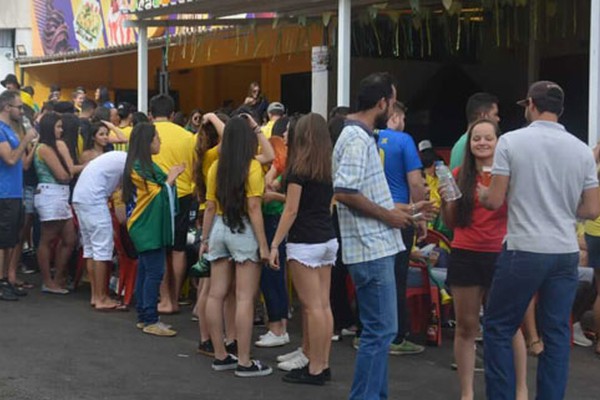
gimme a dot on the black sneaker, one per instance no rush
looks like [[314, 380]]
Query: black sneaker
[[6, 294], [255, 369], [230, 362], [206, 348], [231, 348], [305, 377], [327, 374]]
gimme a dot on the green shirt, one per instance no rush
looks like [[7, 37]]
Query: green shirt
[[458, 152]]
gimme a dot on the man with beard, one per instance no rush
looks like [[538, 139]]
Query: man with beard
[[11, 182], [370, 231], [548, 178]]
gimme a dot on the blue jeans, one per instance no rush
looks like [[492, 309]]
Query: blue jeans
[[151, 267], [376, 294], [518, 276], [272, 282]]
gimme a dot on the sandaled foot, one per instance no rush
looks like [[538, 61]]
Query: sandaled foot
[[535, 348], [168, 310], [107, 305]]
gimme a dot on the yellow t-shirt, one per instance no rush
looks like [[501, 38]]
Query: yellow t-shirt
[[434, 195], [122, 146], [210, 156], [255, 183], [267, 130], [177, 146]]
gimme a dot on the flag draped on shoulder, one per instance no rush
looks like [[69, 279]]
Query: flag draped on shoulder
[[151, 213]]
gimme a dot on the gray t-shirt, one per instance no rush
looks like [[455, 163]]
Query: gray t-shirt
[[549, 169]]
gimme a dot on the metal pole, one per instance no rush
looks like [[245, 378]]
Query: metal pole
[[594, 99], [142, 86], [343, 62]]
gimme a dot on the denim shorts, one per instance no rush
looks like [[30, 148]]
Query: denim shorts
[[28, 193], [313, 255], [239, 247], [52, 202]]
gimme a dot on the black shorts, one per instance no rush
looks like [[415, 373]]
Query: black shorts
[[182, 223], [11, 222], [471, 268]]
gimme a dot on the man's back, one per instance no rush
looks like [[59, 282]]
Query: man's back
[[399, 158], [177, 146], [549, 169]]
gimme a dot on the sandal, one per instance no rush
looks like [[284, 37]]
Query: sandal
[[24, 285], [535, 348]]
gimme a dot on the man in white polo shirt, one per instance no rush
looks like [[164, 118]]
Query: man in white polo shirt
[[548, 178]]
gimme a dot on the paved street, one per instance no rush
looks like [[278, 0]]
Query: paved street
[[58, 348]]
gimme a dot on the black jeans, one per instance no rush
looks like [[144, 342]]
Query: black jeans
[[401, 272]]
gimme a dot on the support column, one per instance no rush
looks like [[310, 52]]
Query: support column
[[343, 62], [142, 72], [594, 83], [320, 80]]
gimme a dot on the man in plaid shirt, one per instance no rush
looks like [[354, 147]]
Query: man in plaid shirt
[[369, 229]]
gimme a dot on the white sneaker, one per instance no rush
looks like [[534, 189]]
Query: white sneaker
[[579, 337], [295, 363], [273, 340], [289, 356]]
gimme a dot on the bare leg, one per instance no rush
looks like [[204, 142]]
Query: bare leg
[[325, 280], [64, 252], [229, 312], [520, 352], [49, 231], [179, 269], [220, 280], [203, 288], [247, 280], [89, 266], [306, 281], [103, 301], [467, 301], [166, 305], [535, 346]]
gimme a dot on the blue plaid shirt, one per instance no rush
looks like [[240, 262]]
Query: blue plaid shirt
[[357, 169]]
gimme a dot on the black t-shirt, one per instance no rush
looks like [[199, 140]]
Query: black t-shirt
[[313, 222]]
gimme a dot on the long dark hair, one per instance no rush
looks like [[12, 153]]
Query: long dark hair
[[94, 129], [207, 138], [237, 152], [103, 95], [139, 150], [467, 178], [311, 155], [47, 137], [71, 127]]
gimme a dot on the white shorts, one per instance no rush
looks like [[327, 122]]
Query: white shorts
[[95, 227], [51, 202], [313, 255]]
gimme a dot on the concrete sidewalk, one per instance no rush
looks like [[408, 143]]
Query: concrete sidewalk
[[58, 348]]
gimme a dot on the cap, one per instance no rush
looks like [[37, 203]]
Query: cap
[[276, 106], [10, 78], [544, 92], [425, 144]]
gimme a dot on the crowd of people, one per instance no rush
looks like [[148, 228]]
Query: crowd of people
[[270, 194]]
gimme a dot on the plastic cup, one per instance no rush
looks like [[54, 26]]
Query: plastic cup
[[486, 176]]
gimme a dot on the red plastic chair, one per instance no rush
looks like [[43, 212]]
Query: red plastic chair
[[423, 299]]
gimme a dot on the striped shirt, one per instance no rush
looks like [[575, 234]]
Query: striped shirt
[[357, 169]]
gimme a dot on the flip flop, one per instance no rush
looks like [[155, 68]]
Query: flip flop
[[24, 285], [48, 290], [106, 309]]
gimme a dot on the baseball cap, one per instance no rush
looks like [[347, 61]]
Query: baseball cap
[[425, 144], [276, 106], [544, 92]]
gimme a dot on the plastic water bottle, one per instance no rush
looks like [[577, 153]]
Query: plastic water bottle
[[452, 192]]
